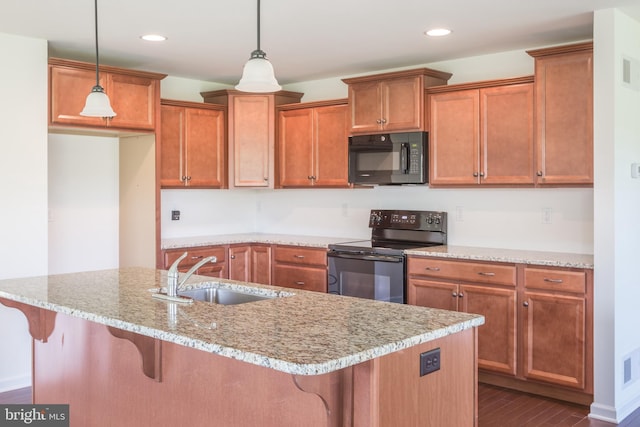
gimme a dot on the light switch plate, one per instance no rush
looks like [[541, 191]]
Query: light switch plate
[[635, 170]]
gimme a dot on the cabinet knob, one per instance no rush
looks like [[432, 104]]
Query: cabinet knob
[[183, 178], [383, 121], [539, 173], [460, 295], [188, 178], [454, 294], [232, 257], [481, 174], [475, 174], [526, 303], [379, 121]]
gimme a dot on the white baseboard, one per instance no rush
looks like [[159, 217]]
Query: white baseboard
[[612, 414], [14, 383]]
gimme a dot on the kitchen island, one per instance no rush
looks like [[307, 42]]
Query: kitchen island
[[117, 356]]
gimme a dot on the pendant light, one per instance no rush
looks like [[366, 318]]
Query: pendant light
[[257, 74], [97, 104]]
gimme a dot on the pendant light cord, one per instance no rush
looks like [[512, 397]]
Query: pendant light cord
[[97, 60], [258, 24]]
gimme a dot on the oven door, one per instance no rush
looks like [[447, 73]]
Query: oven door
[[378, 277]]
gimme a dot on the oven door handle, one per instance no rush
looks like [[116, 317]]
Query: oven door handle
[[363, 257]]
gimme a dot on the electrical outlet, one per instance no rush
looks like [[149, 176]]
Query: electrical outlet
[[459, 213], [635, 170], [546, 215], [175, 215], [429, 361]]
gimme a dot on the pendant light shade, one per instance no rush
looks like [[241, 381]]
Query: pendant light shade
[[97, 104], [257, 74]]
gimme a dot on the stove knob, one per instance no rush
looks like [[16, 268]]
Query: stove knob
[[437, 220], [430, 220]]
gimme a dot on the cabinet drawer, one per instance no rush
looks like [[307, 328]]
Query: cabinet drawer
[[555, 280], [499, 274], [300, 255], [307, 278], [194, 255]]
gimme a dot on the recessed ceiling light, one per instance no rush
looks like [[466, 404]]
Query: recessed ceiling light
[[153, 38], [437, 32]]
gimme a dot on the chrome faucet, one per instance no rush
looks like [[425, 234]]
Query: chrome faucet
[[173, 276]]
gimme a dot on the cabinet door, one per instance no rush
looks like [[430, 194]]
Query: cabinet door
[[366, 107], [564, 118], [428, 293], [240, 263], [172, 148], [402, 104], [507, 135], [295, 144], [133, 99], [554, 339], [204, 153], [497, 337], [69, 88], [251, 140], [261, 264], [454, 138], [330, 153]]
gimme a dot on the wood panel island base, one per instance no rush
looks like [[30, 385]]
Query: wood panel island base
[[171, 364]]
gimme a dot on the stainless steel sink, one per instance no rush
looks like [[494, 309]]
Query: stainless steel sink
[[221, 296]]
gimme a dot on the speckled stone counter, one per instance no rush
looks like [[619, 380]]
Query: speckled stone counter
[[299, 332], [278, 239], [543, 258]]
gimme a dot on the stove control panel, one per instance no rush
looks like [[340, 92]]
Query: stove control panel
[[408, 220]]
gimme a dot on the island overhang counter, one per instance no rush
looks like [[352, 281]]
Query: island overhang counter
[[103, 345]]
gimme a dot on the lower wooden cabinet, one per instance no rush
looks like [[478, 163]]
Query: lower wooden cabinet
[[250, 263], [538, 326], [496, 302], [213, 269], [556, 330], [300, 268]]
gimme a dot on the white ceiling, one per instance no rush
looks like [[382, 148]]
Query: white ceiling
[[304, 40]]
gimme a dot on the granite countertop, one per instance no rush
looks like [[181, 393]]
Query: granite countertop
[[278, 239], [541, 258], [298, 332]]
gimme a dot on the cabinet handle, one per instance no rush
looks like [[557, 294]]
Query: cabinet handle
[[188, 178], [232, 257], [482, 174], [460, 295], [299, 256], [552, 280], [266, 179], [475, 174], [539, 173], [299, 283], [183, 178], [454, 294], [526, 303], [488, 274], [383, 121], [432, 268], [197, 256]]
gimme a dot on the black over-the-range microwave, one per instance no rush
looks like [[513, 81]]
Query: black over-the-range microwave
[[389, 158]]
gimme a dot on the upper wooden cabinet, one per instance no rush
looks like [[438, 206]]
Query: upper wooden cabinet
[[192, 145], [391, 102], [313, 144], [482, 133], [134, 95], [251, 133], [564, 114]]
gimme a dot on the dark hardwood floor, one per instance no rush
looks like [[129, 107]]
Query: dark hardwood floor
[[497, 407]]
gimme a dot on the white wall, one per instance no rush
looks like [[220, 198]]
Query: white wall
[[617, 230], [23, 193], [490, 217], [83, 203]]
